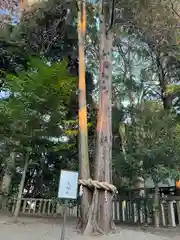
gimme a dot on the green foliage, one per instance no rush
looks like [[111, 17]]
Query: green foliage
[[38, 99], [34, 112], [154, 152], [47, 31]]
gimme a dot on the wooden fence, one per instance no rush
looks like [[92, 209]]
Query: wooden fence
[[43, 207], [137, 211], [140, 211]]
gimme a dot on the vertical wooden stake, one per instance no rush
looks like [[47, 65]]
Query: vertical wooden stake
[[64, 221], [163, 215], [172, 214]]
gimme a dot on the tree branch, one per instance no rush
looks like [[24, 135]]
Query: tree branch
[[112, 15], [174, 10]]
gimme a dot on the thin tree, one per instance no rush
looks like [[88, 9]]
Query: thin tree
[[83, 131], [21, 188]]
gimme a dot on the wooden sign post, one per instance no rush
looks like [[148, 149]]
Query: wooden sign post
[[68, 186]]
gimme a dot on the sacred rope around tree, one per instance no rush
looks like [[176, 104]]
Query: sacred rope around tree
[[98, 185]]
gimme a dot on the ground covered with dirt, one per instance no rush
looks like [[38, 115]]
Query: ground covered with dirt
[[50, 229]]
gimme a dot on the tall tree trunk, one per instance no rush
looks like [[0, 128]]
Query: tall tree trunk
[[156, 206], [83, 131], [6, 181], [21, 188], [100, 216]]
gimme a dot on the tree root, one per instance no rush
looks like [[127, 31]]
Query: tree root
[[99, 230], [79, 224], [91, 224], [113, 227]]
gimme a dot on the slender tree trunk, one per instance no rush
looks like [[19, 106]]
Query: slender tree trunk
[[156, 207], [6, 181], [83, 131], [21, 188], [166, 98], [5, 185], [122, 132], [100, 216]]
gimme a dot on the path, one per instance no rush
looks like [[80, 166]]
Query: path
[[48, 229]]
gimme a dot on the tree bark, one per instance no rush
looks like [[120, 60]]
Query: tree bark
[[166, 98], [6, 181], [21, 188], [100, 216], [156, 207], [83, 131]]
